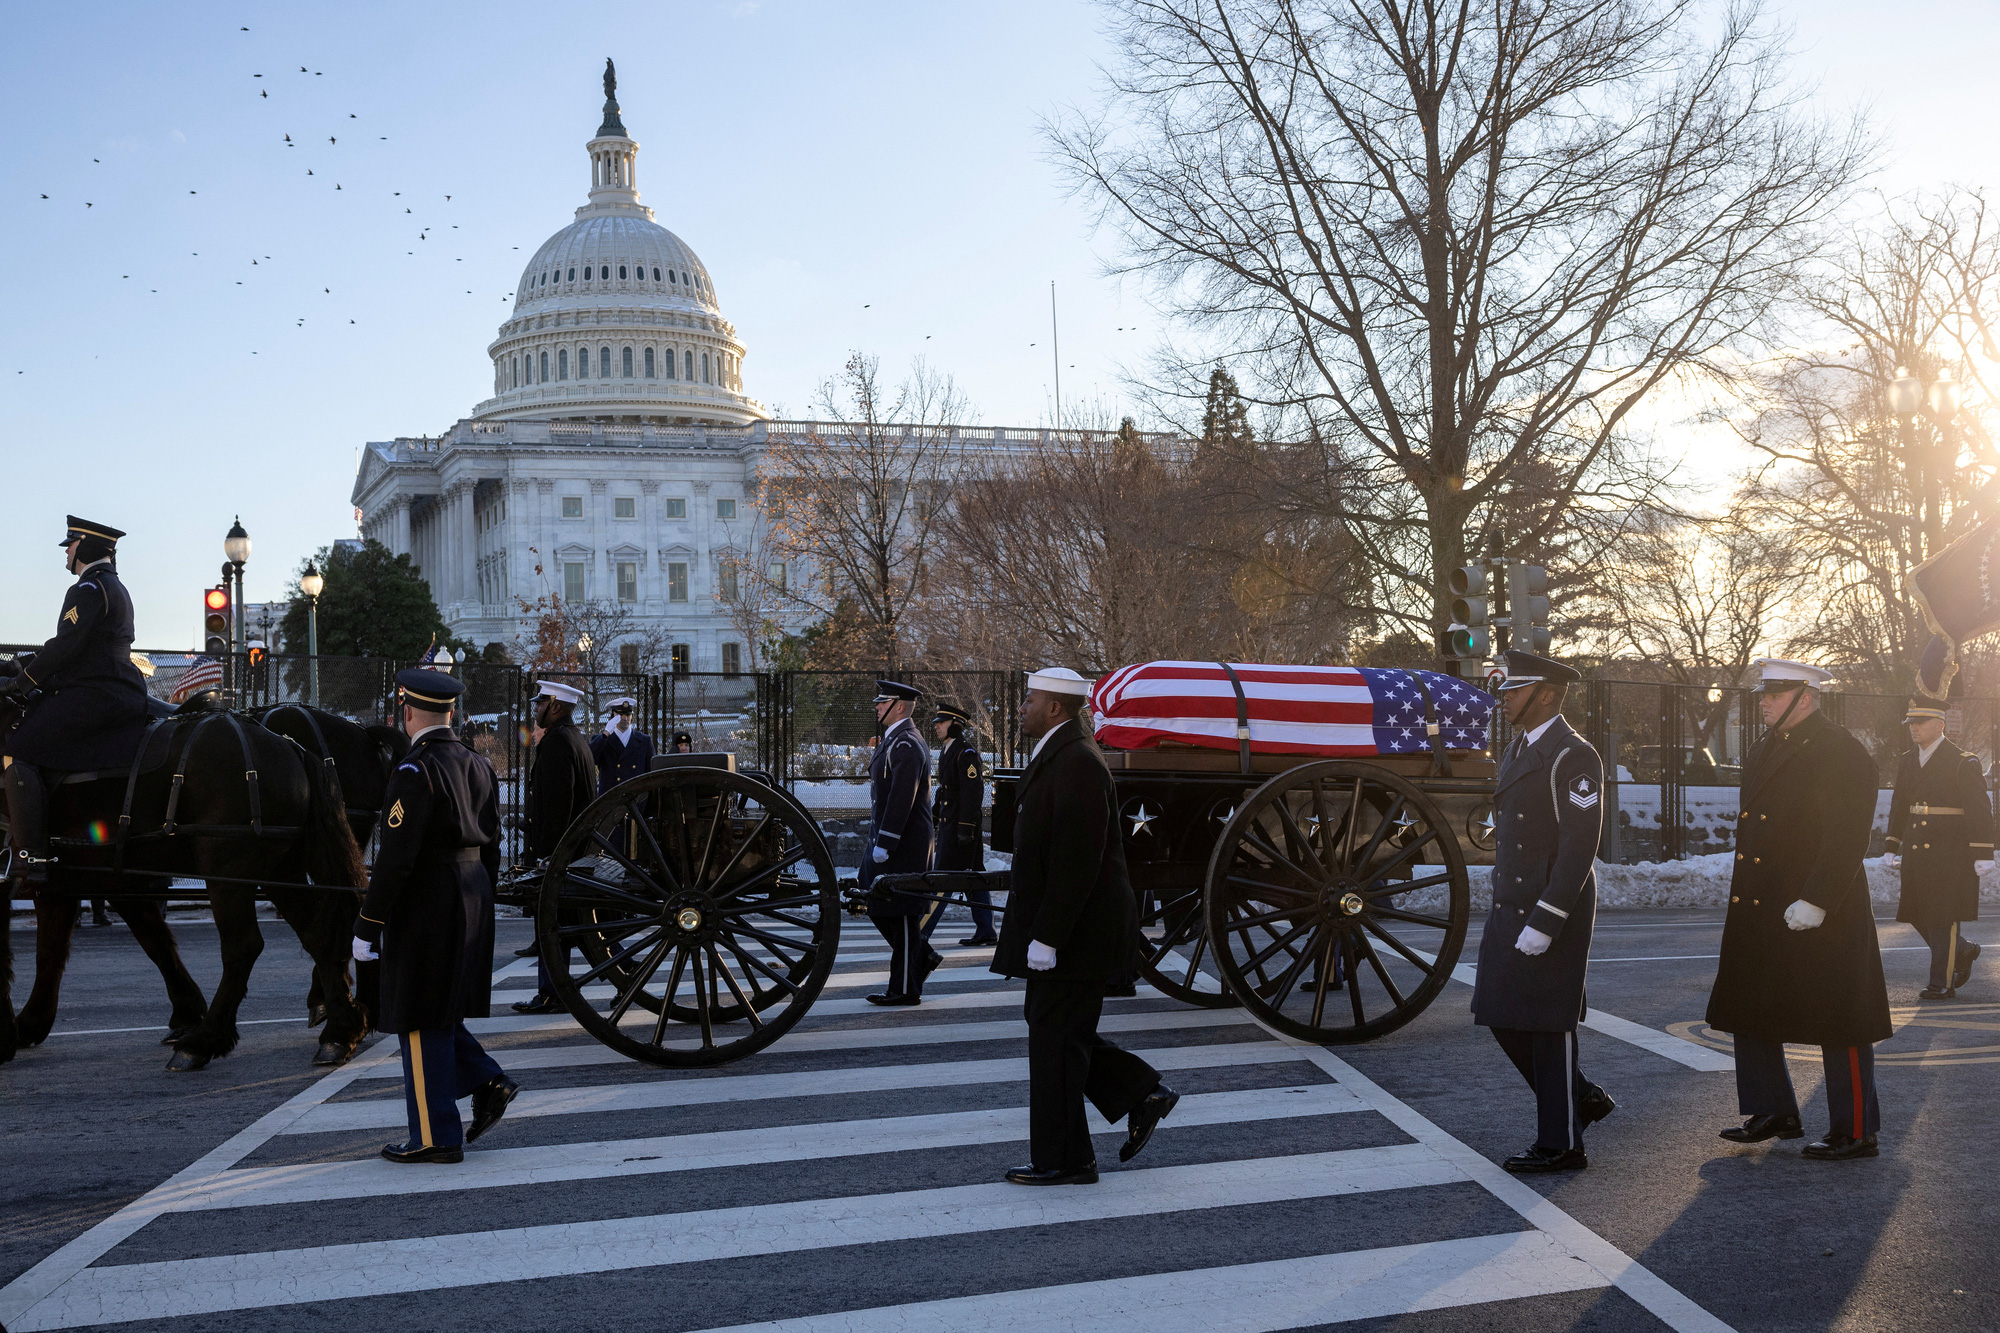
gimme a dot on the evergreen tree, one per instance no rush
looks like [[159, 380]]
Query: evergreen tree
[[374, 604], [1224, 419]]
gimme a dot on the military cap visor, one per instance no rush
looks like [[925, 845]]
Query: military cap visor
[[894, 691], [423, 686], [1525, 669], [1922, 709], [84, 529]]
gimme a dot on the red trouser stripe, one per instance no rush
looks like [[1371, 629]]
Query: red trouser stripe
[[1854, 1073]]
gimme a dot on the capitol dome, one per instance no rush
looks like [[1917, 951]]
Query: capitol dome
[[615, 318]]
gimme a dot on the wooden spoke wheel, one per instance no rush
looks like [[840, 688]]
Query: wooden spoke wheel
[[1175, 930], [706, 911], [1336, 902]]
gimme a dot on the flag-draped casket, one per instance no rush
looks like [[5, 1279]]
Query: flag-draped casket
[[1315, 710]]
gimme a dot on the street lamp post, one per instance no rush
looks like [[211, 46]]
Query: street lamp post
[[312, 583], [236, 550]]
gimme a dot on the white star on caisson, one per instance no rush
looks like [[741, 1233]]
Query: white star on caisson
[[1141, 818]]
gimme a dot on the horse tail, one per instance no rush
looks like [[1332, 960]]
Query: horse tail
[[331, 854]]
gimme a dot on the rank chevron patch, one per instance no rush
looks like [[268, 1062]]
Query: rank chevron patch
[[1583, 794]]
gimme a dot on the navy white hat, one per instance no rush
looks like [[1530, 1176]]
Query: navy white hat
[[888, 690], [427, 689], [549, 689], [1058, 680], [1525, 668], [622, 701]]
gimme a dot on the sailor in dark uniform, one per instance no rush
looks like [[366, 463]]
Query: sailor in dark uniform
[[1547, 813], [956, 814], [899, 779], [429, 917], [92, 698], [1940, 828], [683, 742], [621, 751], [561, 782]]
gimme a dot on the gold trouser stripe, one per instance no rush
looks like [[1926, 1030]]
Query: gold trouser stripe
[[1937, 810], [1951, 958], [423, 1101]]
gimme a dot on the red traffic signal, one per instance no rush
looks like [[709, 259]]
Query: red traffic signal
[[215, 620]]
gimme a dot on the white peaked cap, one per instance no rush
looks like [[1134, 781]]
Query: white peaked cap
[[1780, 668], [1058, 680], [624, 699], [569, 694]]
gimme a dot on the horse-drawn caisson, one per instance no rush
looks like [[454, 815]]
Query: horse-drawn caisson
[[1299, 837]]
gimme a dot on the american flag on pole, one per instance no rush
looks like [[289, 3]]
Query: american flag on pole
[[204, 673], [1293, 709]]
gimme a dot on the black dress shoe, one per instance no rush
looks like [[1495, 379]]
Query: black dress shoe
[[541, 1003], [417, 1152], [1933, 993], [976, 942], [1120, 990], [1535, 1160], [1029, 1175], [895, 999], [529, 950], [1839, 1148], [1760, 1127], [1145, 1118], [489, 1102], [1594, 1105], [1963, 972]]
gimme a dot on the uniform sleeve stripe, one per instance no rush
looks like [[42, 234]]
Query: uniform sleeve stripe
[[1557, 911]]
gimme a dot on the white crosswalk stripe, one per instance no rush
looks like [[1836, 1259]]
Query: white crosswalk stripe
[[774, 1113]]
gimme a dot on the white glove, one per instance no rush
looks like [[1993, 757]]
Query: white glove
[[1891, 861], [1532, 941], [364, 952], [610, 728], [1040, 956], [879, 856], [1802, 915]]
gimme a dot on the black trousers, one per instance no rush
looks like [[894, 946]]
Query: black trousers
[[1547, 1060], [1067, 1063], [910, 949], [439, 1067], [1764, 1085]]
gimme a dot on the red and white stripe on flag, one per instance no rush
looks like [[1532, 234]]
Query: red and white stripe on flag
[[203, 673]]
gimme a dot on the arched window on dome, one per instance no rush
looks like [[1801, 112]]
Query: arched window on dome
[[670, 275], [704, 368], [605, 272], [572, 275], [604, 363], [562, 364], [545, 367], [621, 273], [514, 372], [673, 365], [688, 366], [649, 365], [656, 275], [583, 363], [628, 363]]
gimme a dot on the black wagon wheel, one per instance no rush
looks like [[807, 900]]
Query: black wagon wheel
[[1337, 902], [705, 907], [1175, 930]]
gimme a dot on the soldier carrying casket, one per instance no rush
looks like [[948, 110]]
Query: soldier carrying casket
[[1940, 828]]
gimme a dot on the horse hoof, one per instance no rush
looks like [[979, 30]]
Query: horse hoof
[[175, 1036], [332, 1053], [315, 1015], [186, 1062]]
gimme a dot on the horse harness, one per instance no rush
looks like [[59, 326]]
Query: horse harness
[[172, 827], [325, 753]]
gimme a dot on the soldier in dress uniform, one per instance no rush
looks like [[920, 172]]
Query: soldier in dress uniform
[[621, 751], [1548, 812], [1072, 923], [957, 813], [899, 777], [1800, 961], [683, 742], [1940, 827], [561, 782], [428, 916], [93, 698]]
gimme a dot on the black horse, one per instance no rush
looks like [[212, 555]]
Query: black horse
[[360, 757], [229, 802]]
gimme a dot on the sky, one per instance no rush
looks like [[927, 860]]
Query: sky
[[206, 321]]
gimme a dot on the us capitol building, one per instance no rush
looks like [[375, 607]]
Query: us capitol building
[[618, 451]]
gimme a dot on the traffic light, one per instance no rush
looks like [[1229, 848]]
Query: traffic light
[[1470, 637], [215, 622], [1528, 606]]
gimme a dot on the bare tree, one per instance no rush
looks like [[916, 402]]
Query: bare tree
[[852, 507], [1457, 245]]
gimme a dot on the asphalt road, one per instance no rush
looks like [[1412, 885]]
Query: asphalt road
[[853, 1183]]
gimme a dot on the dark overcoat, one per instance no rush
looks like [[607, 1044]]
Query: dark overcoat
[[1941, 823], [562, 782], [92, 709], [956, 812], [899, 797], [1548, 812], [620, 761], [1070, 889], [430, 894], [1807, 808]]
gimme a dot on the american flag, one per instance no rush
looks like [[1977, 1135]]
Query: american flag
[[203, 673], [1293, 709]]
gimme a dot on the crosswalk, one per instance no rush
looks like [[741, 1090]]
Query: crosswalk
[[846, 1179]]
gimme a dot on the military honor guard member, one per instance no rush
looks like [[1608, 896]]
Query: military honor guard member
[[621, 751], [1940, 828], [957, 814], [561, 782], [93, 698], [1800, 961], [428, 916], [683, 742], [1548, 813], [899, 779], [1072, 923]]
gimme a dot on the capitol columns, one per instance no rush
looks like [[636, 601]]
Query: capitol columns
[[545, 535], [399, 525], [601, 584], [460, 563], [652, 593], [520, 566]]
